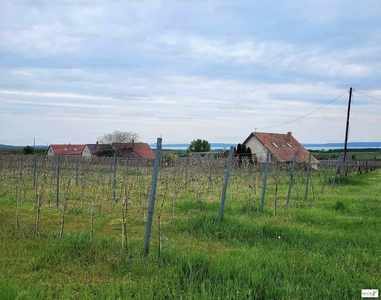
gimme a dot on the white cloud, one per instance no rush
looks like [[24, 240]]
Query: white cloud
[[185, 70]]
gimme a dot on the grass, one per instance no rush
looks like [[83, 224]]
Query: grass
[[326, 247], [358, 154]]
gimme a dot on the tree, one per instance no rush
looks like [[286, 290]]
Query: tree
[[28, 150], [199, 146], [243, 152], [249, 155], [115, 141], [119, 137], [105, 150]]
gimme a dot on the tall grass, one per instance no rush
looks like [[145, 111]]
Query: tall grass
[[323, 248]]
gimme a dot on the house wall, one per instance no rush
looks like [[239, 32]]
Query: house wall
[[86, 152], [50, 152], [257, 148]]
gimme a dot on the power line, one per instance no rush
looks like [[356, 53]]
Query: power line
[[368, 95], [305, 114]]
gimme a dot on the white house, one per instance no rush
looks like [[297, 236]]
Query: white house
[[281, 146]]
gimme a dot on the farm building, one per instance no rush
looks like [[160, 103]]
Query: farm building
[[91, 150], [65, 150], [281, 146], [134, 150]]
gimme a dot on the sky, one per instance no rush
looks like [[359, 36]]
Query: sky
[[71, 71]]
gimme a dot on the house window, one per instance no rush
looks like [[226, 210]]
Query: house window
[[65, 149], [275, 145], [289, 145], [283, 146]]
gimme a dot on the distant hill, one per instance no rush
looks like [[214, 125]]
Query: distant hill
[[341, 145], [2, 146]]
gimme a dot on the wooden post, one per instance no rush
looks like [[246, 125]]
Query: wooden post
[[347, 129]]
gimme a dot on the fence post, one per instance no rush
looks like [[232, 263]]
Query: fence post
[[114, 181], [34, 172], [336, 172], [291, 177], [227, 173], [58, 180], [265, 181], [76, 172], [308, 176], [152, 197], [326, 171], [186, 173], [21, 163], [343, 163]]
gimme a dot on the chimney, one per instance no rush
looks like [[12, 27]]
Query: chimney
[[289, 136], [133, 144]]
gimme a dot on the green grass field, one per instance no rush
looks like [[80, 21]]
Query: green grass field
[[326, 247], [358, 154]]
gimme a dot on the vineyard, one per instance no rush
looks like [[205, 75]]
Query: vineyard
[[74, 228]]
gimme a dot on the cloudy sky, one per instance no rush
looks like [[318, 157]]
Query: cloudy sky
[[71, 71]]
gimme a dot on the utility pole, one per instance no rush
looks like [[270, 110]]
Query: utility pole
[[347, 127]]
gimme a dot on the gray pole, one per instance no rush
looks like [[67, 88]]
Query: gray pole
[[265, 181], [225, 184], [291, 178], [326, 171], [152, 197], [308, 176], [58, 180]]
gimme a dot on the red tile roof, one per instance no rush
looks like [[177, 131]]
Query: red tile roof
[[134, 150], [283, 146], [67, 149]]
